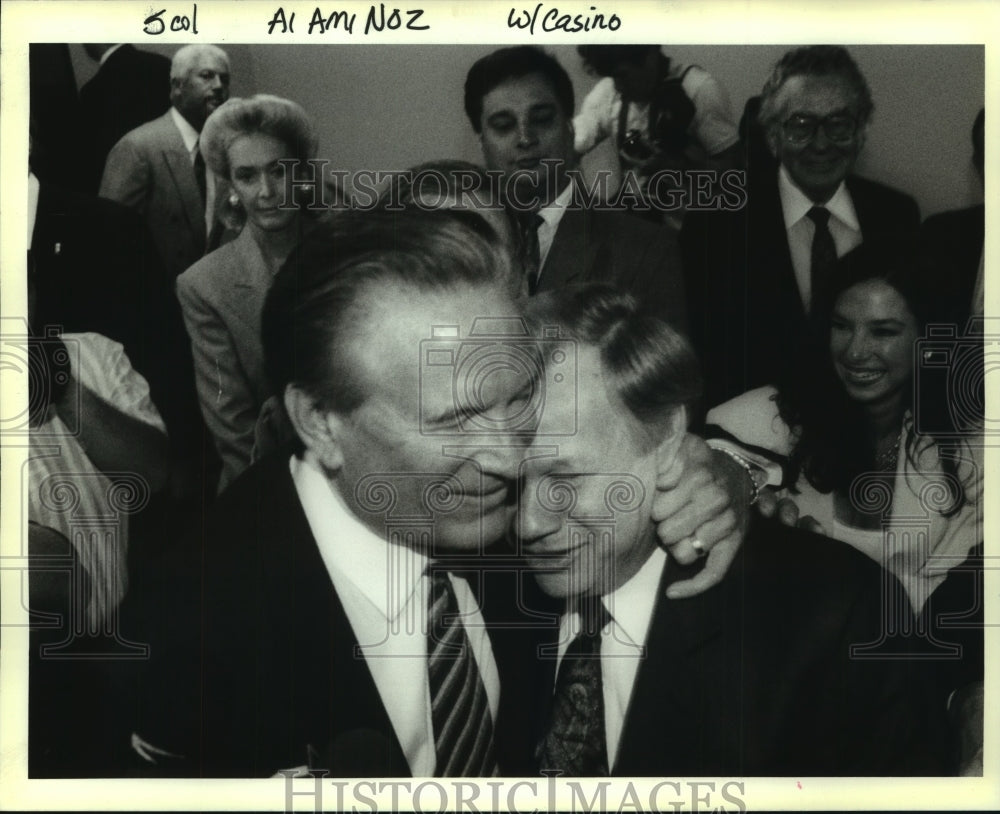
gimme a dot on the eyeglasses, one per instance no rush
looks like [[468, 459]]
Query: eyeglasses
[[838, 127]]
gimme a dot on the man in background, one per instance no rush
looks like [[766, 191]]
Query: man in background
[[157, 169], [753, 274], [520, 103], [663, 115]]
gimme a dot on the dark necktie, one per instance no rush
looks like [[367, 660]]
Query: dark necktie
[[531, 253], [460, 710], [824, 254], [200, 176], [575, 742]]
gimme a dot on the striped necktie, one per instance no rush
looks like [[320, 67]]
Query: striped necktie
[[574, 741], [460, 710]]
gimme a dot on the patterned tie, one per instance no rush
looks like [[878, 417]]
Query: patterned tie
[[531, 253], [199, 175], [824, 253], [575, 741], [460, 710]]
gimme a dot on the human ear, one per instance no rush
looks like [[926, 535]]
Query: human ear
[[319, 429], [674, 431]]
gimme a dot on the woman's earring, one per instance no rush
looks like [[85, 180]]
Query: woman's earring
[[234, 199]]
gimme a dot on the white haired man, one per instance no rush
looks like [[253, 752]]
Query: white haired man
[[157, 169]]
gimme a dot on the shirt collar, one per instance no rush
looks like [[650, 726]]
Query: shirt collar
[[188, 133], [631, 605], [553, 213], [347, 545], [33, 187], [107, 54], [795, 203]]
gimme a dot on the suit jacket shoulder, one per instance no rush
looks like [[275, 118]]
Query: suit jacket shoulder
[[215, 272], [757, 676], [595, 245], [258, 670], [160, 133], [882, 210]]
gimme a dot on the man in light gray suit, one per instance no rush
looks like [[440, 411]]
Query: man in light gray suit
[[158, 170]]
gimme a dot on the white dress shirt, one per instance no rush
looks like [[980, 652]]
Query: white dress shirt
[[384, 591], [551, 216], [843, 224], [33, 189], [191, 136], [623, 642]]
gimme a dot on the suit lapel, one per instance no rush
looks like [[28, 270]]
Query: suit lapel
[[568, 260], [177, 162], [348, 730], [773, 263], [675, 714]]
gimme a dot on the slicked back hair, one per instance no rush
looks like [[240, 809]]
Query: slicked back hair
[[651, 367], [316, 306]]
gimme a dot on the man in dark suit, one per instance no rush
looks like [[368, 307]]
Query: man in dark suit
[[301, 625], [752, 274], [130, 88], [755, 676], [520, 102], [157, 169]]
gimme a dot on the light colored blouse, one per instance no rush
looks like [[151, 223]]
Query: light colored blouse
[[916, 541]]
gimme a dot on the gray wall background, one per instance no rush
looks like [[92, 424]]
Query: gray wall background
[[393, 106]]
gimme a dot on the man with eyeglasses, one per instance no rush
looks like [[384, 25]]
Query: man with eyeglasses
[[753, 275]]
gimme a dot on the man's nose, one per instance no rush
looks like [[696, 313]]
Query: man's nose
[[500, 457], [526, 134], [819, 141], [535, 521]]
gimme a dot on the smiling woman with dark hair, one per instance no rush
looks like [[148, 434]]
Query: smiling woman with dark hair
[[855, 459]]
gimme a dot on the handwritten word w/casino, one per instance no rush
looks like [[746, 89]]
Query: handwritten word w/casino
[[552, 20]]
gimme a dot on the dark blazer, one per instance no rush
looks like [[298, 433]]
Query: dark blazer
[[952, 243], [95, 268], [131, 88], [744, 304], [149, 170], [754, 676], [253, 666], [613, 247]]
